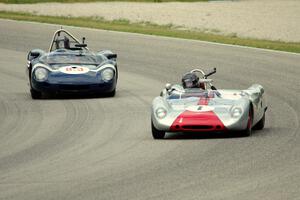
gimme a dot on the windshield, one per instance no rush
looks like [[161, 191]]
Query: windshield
[[192, 93], [58, 58]]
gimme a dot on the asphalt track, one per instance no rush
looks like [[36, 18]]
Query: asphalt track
[[101, 148]]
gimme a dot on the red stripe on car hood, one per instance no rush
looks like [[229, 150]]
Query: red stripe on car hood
[[198, 121]]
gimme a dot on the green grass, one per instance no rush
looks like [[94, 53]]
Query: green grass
[[153, 29], [73, 1]]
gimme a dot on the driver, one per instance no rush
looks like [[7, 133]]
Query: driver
[[66, 43], [63, 43], [191, 80]]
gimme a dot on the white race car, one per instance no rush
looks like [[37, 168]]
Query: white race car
[[206, 109]]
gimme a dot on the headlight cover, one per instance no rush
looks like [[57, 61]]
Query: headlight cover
[[236, 112], [40, 74], [107, 74], [161, 113]]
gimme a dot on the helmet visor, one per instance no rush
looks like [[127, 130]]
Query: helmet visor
[[188, 83]]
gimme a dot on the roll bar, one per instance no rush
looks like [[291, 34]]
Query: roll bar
[[57, 34], [206, 75], [203, 73]]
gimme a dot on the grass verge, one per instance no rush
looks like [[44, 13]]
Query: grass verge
[[152, 29], [75, 1]]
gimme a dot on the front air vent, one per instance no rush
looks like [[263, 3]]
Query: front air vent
[[197, 127], [74, 87]]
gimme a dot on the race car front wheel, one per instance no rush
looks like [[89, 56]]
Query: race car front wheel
[[35, 94], [248, 131], [111, 94], [261, 124], [157, 134]]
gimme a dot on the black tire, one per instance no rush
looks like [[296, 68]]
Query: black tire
[[261, 124], [35, 94], [111, 94], [248, 131], [157, 134]]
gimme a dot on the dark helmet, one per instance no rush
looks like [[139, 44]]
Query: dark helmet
[[190, 80], [66, 43]]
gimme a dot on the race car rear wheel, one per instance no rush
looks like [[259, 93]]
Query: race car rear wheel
[[157, 134], [35, 94], [248, 131], [261, 124]]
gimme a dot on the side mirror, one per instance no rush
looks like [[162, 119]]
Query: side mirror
[[262, 90], [32, 55], [168, 86], [35, 54], [111, 56]]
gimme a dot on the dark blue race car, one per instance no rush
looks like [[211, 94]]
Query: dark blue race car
[[69, 67]]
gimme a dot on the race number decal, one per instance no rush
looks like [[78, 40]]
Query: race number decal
[[74, 70]]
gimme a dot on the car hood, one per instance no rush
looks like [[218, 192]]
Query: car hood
[[60, 66], [222, 103], [56, 60], [197, 104]]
